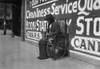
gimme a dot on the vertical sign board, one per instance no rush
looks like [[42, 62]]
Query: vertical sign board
[[85, 26], [81, 16]]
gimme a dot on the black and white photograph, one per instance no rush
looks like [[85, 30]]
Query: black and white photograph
[[49, 34]]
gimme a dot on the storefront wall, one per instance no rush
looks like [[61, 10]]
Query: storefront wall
[[81, 16]]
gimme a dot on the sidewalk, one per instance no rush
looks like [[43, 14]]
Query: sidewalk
[[16, 54]]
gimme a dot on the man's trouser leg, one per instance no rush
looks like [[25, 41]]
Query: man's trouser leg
[[42, 48]]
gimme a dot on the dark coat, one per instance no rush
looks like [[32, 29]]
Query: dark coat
[[54, 30]]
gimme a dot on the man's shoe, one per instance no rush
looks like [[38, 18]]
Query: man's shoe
[[42, 58], [67, 55]]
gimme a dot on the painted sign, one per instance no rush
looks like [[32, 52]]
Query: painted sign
[[36, 10], [81, 16], [86, 27]]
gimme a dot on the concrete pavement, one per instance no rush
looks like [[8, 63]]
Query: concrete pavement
[[16, 54]]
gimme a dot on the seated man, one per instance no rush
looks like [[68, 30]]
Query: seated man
[[53, 29]]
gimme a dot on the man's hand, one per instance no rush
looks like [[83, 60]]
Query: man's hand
[[47, 34]]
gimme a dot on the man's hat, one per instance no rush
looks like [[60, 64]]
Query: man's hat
[[49, 16]]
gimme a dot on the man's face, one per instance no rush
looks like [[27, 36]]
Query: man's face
[[48, 21]]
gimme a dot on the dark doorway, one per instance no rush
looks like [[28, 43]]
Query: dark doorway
[[16, 18], [13, 23]]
